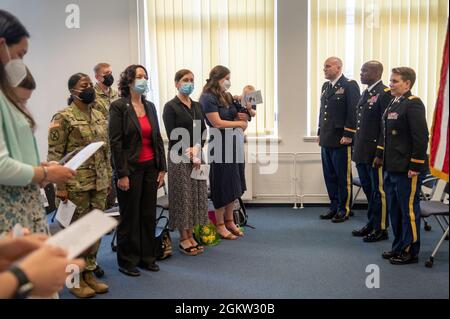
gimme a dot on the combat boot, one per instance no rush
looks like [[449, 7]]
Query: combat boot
[[98, 286], [83, 291]]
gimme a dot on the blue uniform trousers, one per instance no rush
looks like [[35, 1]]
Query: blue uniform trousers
[[337, 171], [404, 209], [372, 184]]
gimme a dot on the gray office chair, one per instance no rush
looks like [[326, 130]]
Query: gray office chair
[[427, 190], [439, 210]]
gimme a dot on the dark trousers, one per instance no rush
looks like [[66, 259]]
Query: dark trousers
[[136, 231], [337, 171], [403, 206], [373, 186], [112, 195]]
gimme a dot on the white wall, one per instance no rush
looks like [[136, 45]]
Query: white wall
[[292, 105], [109, 33]]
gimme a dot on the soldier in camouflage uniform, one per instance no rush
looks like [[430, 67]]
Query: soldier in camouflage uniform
[[105, 95], [71, 130], [104, 92]]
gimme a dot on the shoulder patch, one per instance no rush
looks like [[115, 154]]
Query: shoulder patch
[[350, 80], [387, 89], [412, 97]]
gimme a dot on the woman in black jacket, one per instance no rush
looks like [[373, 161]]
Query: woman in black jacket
[[139, 162]]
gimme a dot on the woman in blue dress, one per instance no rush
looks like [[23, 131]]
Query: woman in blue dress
[[226, 179]]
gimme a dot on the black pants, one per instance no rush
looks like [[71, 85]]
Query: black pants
[[136, 231]]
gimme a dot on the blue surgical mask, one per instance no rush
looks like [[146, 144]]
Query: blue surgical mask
[[141, 86], [187, 88]]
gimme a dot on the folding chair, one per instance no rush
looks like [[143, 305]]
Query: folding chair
[[427, 190], [439, 210], [356, 182], [51, 209]]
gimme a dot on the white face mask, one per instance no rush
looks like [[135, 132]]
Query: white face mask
[[15, 70], [226, 85]]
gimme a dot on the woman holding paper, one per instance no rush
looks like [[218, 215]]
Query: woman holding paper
[[71, 130], [188, 203], [139, 167], [20, 170], [227, 182]]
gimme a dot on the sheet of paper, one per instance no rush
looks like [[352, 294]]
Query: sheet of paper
[[113, 212], [18, 231], [254, 97], [83, 155], [44, 199], [201, 174], [65, 213], [83, 233]]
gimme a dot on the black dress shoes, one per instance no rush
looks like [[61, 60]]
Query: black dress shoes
[[339, 218], [133, 272], [377, 235], [328, 215], [404, 259], [366, 230], [150, 267], [390, 254]]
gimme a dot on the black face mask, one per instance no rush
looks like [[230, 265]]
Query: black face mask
[[108, 80], [87, 96]]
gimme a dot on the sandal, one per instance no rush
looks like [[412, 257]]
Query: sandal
[[238, 232], [190, 251], [230, 235], [197, 245]]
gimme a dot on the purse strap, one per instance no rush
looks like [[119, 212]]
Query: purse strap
[[162, 218]]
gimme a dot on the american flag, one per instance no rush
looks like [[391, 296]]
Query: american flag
[[439, 131]]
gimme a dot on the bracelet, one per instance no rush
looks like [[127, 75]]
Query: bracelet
[[45, 171]]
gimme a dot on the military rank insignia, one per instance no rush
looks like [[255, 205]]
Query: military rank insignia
[[340, 91], [393, 116], [373, 99]]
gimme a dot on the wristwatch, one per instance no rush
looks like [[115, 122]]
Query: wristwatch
[[25, 286]]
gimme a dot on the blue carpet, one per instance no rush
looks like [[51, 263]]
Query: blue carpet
[[291, 254]]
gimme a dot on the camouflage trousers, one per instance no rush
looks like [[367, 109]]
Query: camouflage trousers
[[86, 202]]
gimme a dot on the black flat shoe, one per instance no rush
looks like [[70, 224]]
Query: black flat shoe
[[404, 259], [389, 254], [366, 230], [339, 218], [328, 215], [151, 267], [376, 236], [133, 272]]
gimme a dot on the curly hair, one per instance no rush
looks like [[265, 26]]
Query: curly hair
[[127, 77], [213, 87]]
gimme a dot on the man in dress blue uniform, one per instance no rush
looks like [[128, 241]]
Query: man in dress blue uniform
[[337, 126], [370, 110], [405, 158]]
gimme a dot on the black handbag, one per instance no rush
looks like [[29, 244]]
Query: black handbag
[[163, 245]]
